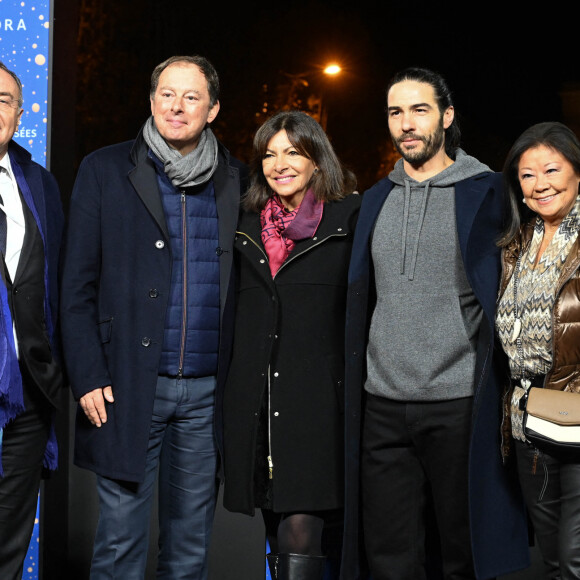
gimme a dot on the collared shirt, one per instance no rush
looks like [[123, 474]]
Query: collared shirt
[[11, 205]]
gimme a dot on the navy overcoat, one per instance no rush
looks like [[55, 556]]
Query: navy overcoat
[[499, 531], [115, 288], [40, 191]]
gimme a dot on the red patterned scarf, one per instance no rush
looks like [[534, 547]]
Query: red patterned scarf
[[281, 228]]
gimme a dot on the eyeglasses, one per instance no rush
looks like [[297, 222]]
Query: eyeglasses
[[9, 103]]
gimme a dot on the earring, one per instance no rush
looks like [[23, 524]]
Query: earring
[[524, 199]]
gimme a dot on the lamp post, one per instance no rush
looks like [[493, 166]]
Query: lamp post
[[314, 103], [330, 70]]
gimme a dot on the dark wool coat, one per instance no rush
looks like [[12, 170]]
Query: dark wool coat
[[115, 291], [499, 534], [289, 334], [34, 329]]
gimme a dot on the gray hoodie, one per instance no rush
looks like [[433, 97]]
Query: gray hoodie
[[425, 323]]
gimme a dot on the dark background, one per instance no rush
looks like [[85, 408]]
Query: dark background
[[509, 64]]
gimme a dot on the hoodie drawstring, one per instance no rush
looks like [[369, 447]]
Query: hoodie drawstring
[[420, 222], [405, 223]]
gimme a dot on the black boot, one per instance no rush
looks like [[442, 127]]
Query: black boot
[[296, 567], [273, 565]]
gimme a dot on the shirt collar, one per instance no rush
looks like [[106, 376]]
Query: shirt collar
[[5, 164]]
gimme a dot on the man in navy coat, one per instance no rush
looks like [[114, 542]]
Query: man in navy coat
[[146, 335], [31, 224], [422, 378]]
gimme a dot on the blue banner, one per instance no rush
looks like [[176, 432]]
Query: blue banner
[[24, 48]]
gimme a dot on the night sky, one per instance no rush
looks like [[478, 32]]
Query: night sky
[[506, 64]]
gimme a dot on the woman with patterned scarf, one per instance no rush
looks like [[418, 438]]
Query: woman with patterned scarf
[[538, 323], [284, 399]]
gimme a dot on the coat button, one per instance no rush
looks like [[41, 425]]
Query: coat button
[[219, 251], [262, 261], [276, 374], [153, 293], [159, 244], [145, 341], [276, 414]]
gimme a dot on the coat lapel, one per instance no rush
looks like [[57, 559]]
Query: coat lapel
[[144, 180], [477, 232], [226, 184], [372, 203], [34, 184], [468, 200]]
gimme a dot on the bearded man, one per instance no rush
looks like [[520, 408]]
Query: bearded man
[[422, 288]]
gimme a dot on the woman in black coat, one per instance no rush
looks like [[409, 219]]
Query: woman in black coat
[[283, 404]]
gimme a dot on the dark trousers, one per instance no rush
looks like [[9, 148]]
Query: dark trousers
[[552, 494], [23, 444], [414, 459]]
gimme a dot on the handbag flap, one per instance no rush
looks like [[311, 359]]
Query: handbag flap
[[559, 407]]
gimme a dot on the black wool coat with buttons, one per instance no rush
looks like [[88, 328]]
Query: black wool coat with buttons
[[289, 354], [115, 288]]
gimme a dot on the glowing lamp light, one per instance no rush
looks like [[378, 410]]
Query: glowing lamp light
[[332, 69]]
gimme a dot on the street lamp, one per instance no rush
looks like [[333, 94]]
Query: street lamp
[[332, 69], [314, 103]]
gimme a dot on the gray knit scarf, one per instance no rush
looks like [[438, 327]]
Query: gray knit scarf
[[195, 168]]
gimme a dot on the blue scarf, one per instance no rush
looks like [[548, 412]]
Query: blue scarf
[[11, 398]]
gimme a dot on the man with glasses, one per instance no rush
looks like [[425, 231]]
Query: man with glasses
[[31, 223]]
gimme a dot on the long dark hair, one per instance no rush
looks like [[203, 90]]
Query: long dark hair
[[330, 182], [442, 96], [551, 134]]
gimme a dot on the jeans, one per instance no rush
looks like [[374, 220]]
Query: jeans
[[182, 445]]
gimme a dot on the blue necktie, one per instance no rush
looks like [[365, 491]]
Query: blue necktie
[[2, 229], [2, 250]]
